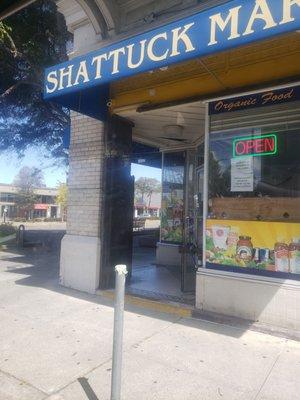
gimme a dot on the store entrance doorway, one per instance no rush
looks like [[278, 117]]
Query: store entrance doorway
[[167, 228], [151, 277]]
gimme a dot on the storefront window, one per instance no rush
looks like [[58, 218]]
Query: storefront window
[[254, 189], [274, 171], [172, 197]]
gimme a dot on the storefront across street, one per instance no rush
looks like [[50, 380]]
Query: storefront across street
[[230, 221]]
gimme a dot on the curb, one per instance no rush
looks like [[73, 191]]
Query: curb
[[158, 306], [186, 311]]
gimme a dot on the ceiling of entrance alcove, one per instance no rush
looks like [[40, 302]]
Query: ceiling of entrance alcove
[[149, 125]]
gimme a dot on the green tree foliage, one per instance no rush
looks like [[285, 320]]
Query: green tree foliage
[[27, 179], [144, 188], [62, 198], [219, 179], [31, 40], [25, 202], [6, 229]]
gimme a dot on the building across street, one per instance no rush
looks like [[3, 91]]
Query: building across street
[[149, 206], [44, 207]]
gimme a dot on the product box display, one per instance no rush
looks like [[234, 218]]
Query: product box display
[[271, 246]]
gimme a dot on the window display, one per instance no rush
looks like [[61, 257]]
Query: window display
[[254, 196], [172, 197], [264, 187], [263, 246]]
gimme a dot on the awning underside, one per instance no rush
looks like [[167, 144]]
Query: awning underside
[[91, 102]]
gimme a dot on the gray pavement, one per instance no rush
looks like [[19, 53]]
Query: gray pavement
[[55, 344]]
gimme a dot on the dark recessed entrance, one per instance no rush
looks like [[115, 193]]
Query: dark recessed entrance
[[159, 185]]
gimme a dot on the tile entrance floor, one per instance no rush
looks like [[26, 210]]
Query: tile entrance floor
[[152, 280]]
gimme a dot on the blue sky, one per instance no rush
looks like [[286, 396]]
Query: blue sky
[[143, 171], [10, 164]]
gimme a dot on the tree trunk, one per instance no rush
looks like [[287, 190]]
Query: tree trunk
[[149, 202]]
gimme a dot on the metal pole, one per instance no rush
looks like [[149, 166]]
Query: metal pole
[[121, 272], [205, 182], [20, 236]]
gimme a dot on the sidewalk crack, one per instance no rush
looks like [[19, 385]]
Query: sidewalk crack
[[9, 375], [268, 375], [109, 360]]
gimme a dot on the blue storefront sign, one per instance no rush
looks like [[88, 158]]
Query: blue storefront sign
[[217, 29]]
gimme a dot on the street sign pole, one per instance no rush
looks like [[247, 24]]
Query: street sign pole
[[121, 272]]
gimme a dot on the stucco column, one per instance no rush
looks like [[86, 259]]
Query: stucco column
[[80, 248]]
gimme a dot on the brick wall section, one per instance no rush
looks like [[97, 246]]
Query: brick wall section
[[85, 175]]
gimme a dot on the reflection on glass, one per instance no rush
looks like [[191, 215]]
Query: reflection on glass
[[255, 176], [254, 192], [172, 198]]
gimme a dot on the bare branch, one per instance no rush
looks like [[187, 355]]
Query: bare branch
[[14, 49], [16, 85]]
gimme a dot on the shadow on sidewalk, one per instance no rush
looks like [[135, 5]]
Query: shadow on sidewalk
[[41, 265], [88, 390]]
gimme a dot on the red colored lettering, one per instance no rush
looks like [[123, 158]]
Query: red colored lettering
[[259, 145], [256, 145], [250, 145], [240, 148], [269, 144]]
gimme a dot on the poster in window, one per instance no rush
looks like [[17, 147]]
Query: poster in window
[[242, 174], [260, 245], [172, 216]]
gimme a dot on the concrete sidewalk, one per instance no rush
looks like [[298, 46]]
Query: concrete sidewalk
[[56, 344]]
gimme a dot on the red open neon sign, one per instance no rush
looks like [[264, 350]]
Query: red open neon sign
[[255, 145]]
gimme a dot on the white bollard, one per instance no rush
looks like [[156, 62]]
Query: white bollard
[[121, 272]]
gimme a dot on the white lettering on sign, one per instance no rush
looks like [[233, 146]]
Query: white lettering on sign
[[82, 73], [52, 79], [150, 52], [130, 62], [115, 55], [287, 11], [217, 19], [65, 73], [98, 61], [260, 11], [181, 36], [197, 35]]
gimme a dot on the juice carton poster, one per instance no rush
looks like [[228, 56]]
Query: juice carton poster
[[271, 246]]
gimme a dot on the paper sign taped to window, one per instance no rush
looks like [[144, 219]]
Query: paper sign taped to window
[[242, 174]]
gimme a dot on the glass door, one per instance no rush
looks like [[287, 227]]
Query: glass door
[[199, 212], [193, 221], [188, 259]]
